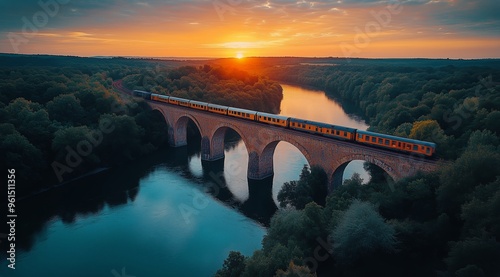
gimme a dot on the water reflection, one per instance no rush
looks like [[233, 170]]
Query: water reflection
[[150, 216], [288, 160], [110, 220]]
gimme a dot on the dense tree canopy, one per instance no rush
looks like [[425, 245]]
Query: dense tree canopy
[[61, 116], [218, 85], [444, 223]]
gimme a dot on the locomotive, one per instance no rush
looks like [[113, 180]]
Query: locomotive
[[318, 128]]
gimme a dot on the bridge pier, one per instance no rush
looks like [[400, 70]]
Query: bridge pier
[[176, 138], [259, 168], [335, 179], [261, 140]]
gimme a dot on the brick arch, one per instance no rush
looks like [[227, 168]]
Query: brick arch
[[180, 129], [338, 171], [163, 114], [267, 153], [181, 121], [216, 138]]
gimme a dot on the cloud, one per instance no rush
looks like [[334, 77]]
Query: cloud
[[256, 24]]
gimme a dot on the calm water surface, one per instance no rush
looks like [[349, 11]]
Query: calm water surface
[[165, 215]]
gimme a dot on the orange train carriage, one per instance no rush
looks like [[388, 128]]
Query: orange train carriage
[[396, 143], [241, 113], [324, 129]]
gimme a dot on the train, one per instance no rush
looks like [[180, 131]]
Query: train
[[395, 143]]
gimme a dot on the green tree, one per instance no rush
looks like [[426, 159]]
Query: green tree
[[311, 186], [233, 266], [362, 232], [65, 108], [295, 271], [476, 166], [355, 180], [482, 213], [483, 253]]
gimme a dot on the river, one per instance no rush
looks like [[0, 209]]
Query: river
[[165, 215]]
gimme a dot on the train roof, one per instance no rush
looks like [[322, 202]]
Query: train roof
[[179, 99], [277, 116], [198, 102], [241, 110], [141, 91], [217, 106], [323, 125], [160, 95], [425, 143]]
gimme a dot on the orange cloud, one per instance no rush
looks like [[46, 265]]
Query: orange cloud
[[264, 28]]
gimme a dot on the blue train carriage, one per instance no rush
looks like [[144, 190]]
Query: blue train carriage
[[203, 106], [143, 94], [242, 113], [214, 108], [396, 143], [273, 119]]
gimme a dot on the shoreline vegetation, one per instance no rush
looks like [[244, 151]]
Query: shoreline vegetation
[[61, 117], [443, 224], [439, 224]]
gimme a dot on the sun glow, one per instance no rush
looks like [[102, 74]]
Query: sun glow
[[239, 55]]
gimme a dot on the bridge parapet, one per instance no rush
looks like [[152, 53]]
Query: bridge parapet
[[261, 141]]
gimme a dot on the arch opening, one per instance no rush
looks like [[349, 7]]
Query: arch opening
[[187, 133], [359, 172], [228, 146], [286, 161], [156, 127]]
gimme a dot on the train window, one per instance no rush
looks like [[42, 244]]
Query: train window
[[374, 139], [380, 141], [360, 136], [386, 142], [393, 144], [337, 132], [427, 150], [415, 147], [399, 144], [408, 146]]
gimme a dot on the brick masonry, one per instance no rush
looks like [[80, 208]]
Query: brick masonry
[[261, 141]]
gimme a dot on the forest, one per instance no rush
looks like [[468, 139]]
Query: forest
[[445, 223], [61, 118], [227, 86]]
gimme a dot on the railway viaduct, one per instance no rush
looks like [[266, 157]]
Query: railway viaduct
[[261, 140]]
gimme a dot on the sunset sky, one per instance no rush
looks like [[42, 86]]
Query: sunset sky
[[227, 28]]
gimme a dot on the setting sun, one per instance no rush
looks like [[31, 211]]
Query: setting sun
[[239, 55]]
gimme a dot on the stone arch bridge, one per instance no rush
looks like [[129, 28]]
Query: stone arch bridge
[[261, 140]]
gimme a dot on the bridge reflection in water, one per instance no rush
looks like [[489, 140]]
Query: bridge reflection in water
[[261, 140]]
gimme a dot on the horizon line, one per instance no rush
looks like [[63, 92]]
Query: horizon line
[[249, 57]]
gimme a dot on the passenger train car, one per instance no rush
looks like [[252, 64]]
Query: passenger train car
[[333, 131]]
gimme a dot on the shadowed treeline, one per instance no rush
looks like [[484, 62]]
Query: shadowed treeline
[[439, 224]]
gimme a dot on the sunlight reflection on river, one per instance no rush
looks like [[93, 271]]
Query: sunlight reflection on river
[[288, 160]]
